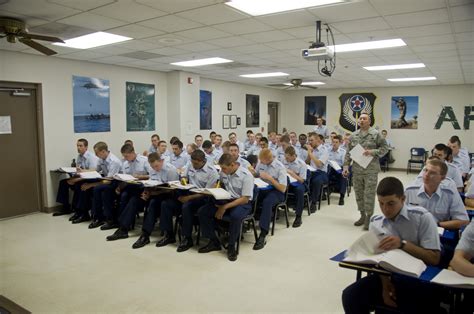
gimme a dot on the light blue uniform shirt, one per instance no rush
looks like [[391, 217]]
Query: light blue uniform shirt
[[302, 153], [297, 166], [136, 166], [167, 173], [466, 243], [272, 146], [248, 146], [337, 156], [179, 161], [213, 157], [254, 150], [110, 166], [274, 169], [243, 162], [445, 204], [462, 161], [206, 177], [322, 154], [280, 154], [453, 173], [238, 184], [323, 130], [87, 160], [413, 224], [241, 146], [152, 149]]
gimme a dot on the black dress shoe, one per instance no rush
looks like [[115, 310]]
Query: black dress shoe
[[260, 244], [298, 222], [231, 253], [211, 246], [141, 242], [324, 197], [74, 217], [62, 213], [312, 208], [96, 224], [109, 225], [167, 239], [118, 234], [185, 245], [341, 201], [81, 219]]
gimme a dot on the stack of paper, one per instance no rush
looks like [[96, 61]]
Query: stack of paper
[[179, 186], [90, 175], [260, 183], [217, 193], [292, 180], [124, 177], [68, 169], [357, 155]]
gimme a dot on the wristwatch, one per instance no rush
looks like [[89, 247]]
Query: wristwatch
[[402, 244]]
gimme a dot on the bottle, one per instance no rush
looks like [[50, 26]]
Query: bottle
[[73, 163]]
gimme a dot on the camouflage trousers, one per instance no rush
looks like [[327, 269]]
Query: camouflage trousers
[[365, 186]]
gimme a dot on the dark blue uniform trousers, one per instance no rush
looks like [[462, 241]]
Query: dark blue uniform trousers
[[339, 180], [63, 194], [103, 198], [173, 207], [298, 190], [234, 215], [317, 180], [153, 212], [412, 295], [127, 193], [129, 213], [85, 199], [269, 200]]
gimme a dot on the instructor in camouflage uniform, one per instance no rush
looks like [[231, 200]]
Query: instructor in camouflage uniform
[[365, 180]]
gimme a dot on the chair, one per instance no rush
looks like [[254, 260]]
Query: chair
[[417, 157], [283, 205], [178, 222]]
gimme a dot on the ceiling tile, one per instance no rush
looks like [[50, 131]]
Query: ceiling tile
[[135, 31], [197, 46], [388, 7], [344, 12], [231, 41], [464, 26], [426, 30], [264, 37], [296, 44], [289, 20], [128, 11], [83, 5], [214, 14], [246, 26], [139, 45], [169, 51], [93, 21], [462, 12], [170, 23], [63, 31], [111, 50], [439, 39], [39, 9], [372, 35], [418, 18], [468, 36], [173, 6], [357, 26], [258, 49], [203, 33]]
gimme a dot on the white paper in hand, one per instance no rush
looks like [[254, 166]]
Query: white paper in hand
[[357, 155]]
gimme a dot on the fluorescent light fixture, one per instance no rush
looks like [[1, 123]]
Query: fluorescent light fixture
[[93, 40], [367, 45], [271, 74], [262, 7], [395, 67], [200, 62], [408, 79], [307, 83]]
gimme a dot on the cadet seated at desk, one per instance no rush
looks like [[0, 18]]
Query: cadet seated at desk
[[337, 154], [85, 161], [239, 182], [273, 172], [297, 169], [155, 139], [109, 165], [200, 174], [284, 143], [317, 158], [440, 200], [234, 151], [212, 155], [411, 229], [179, 158], [158, 170]]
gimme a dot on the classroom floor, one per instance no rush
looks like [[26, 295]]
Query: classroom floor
[[48, 265]]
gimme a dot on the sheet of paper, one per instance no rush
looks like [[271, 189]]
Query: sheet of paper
[[68, 169], [292, 180], [357, 155], [312, 169], [452, 278], [5, 125], [334, 165], [260, 183], [90, 175]]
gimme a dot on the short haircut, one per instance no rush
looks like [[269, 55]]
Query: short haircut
[[290, 150], [384, 131], [198, 135], [156, 135], [193, 146], [265, 154], [390, 186], [226, 160], [321, 137], [441, 147], [443, 169], [455, 139], [302, 135], [264, 139], [161, 142], [259, 134], [198, 155], [174, 139], [100, 146], [178, 143], [249, 132], [218, 135], [212, 133], [338, 137], [232, 133], [152, 157], [127, 149], [226, 144], [206, 144], [292, 132], [83, 141], [310, 134], [128, 142], [285, 139], [252, 159], [234, 145]]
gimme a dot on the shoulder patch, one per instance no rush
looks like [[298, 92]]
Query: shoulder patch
[[376, 217]]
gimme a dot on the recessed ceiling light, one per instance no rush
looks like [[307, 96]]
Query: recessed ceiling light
[[271, 74], [93, 40], [200, 62], [262, 7], [307, 83], [367, 45], [408, 79], [395, 67]]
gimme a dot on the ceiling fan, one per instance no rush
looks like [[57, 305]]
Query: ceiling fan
[[15, 29], [294, 83]]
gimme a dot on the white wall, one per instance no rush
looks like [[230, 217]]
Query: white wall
[[431, 100], [55, 76]]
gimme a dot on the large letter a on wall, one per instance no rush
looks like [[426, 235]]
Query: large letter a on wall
[[447, 115]]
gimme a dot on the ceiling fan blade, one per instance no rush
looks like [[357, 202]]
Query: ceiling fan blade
[[41, 37], [309, 86], [37, 46]]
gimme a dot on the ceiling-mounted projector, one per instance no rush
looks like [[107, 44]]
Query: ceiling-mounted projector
[[315, 54]]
